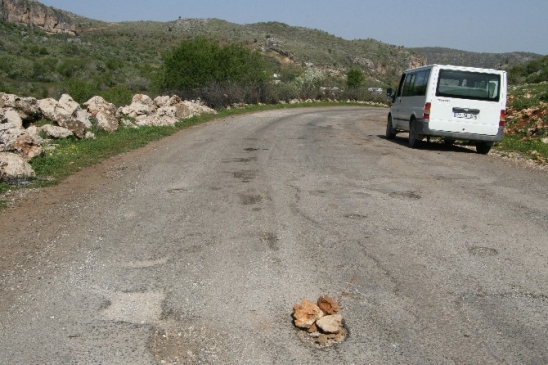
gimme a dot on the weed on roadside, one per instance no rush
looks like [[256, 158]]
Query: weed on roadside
[[532, 149]]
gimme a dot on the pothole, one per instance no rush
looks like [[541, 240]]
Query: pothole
[[250, 199], [177, 190], [244, 160], [190, 344], [322, 340], [138, 308], [320, 325], [482, 251], [355, 216], [271, 240], [245, 175], [410, 195]]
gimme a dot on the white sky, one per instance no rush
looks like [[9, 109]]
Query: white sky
[[471, 25]]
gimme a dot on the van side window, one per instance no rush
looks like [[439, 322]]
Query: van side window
[[400, 87], [415, 83], [421, 81], [408, 85]]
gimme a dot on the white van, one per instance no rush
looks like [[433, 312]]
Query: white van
[[451, 102]]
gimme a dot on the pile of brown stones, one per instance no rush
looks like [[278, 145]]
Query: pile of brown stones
[[321, 324]]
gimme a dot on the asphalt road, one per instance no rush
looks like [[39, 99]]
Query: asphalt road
[[194, 250]]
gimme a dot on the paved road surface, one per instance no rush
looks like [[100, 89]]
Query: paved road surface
[[194, 249]]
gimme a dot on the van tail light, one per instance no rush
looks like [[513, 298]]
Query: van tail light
[[427, 108], [502, 118]]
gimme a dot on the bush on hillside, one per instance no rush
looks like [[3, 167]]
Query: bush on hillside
[[80, 90], [218, 74], [354, 78], [533, 72], [308, 85]]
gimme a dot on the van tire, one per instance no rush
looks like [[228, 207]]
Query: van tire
[[414, 138], [390, 131], [483, 148]]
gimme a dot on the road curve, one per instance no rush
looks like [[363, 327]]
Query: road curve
[[194, 249]]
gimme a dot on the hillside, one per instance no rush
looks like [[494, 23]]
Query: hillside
[[282, 43], [462, 58], [127, 55], [32, 13], [46, 51]]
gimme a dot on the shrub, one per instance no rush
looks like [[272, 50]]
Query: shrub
[[281, 92], [202, 68], [119, 95], [71, 67], [520, 103], [354, 78], [16, 67], [79, 90], [309, 83], [535, 71]]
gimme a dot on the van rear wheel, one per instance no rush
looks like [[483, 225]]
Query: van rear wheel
[[414, 138], [483, 148]]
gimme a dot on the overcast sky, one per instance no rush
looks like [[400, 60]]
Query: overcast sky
[[471, 25]]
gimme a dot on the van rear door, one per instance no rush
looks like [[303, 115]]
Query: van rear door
[[468, 101]]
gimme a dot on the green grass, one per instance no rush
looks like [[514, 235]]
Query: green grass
[[530, 148], [72, 155]]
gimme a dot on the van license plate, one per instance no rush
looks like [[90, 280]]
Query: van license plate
[[465, 115]]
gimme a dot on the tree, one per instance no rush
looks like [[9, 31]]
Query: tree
[[189, 66], [199, 63], [354, 78]]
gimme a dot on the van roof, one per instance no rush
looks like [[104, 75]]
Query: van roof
[[460, 68]]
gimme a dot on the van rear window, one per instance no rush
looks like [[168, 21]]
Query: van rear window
[[468, 85]]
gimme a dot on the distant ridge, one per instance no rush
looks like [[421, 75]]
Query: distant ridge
[[473, 59]]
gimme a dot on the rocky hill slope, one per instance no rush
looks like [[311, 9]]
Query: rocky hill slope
[[463, 58], [33, 13]]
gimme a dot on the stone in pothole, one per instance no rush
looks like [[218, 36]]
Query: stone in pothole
[[330, 324]]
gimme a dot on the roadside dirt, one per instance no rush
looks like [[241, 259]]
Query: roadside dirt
[[30, 207]]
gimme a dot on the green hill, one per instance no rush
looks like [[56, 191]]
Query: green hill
[[437, 55], [64, 52]]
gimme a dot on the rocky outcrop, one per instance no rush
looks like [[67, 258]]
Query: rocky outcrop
[[33, 13], [20, 137], [531, 122], [51, 131], [104, 112], [18, 140], [26, 108], [162, 111], [13, 166], [67, 114], [10, 118]]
